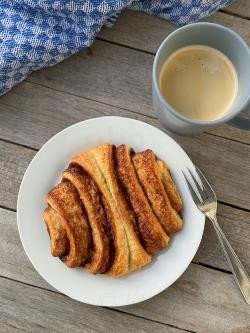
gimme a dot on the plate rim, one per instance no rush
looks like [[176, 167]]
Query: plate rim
[[26, 174]]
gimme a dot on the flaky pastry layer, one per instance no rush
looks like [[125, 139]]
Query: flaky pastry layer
[[90, 196], [169, 186], [129, 253], [64, 199], [59, 243], [149, 176], [153, 236]]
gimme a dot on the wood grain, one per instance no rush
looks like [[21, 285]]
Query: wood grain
[[239, 7], [14, 263], [110, 79], [203, 300], [130, 30], [119, 76], [236, 225], [115, 75], [14, 160], [34, 123], [29, 309], [106, 73]]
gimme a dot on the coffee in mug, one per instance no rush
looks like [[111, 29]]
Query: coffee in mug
[[199, 82]]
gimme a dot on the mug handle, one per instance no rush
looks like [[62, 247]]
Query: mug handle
[[241, 122]]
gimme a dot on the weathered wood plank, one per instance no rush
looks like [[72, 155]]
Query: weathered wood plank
[[13, 162], [119, 76], [106, 73], [130, 30], [110, 74], [239, 7], [14, 263], [126, 86], [138, 30], [203, 300], [198, 301], [28, 309], [236, 225], [34, 123]]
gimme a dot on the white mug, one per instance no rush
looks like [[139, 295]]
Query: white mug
[[218, 37]]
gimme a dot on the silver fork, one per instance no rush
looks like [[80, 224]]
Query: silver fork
[[207, 204]]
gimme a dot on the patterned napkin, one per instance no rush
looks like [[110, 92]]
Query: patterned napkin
[[40, 33]]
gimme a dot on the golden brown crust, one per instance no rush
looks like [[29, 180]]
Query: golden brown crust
[[64, 199], [90, 196], [153, 236], [169, 185], [129, 253], [150, 179], [88, 162], [109, 231], [59, 243], [112, 210]]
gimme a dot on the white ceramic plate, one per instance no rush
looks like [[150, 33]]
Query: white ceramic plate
[[45, 171]]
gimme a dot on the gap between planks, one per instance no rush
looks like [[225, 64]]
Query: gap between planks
[[96, 101], [104, 103], [119, 35], [224, 11], [155, 321], [108, 308], [238, 8], [81, 97], [222, 152], [198, 284], [124, 45], [223, 137]]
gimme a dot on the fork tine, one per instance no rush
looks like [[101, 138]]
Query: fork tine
[[200, 188], [207, 187], [195, 197]]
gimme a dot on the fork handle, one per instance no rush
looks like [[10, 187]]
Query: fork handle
[[238, 270]]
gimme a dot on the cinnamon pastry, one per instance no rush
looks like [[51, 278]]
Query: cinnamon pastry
[[59, 243], [64, 199], [169, 186], [129, 253], [112, 210], [90, 196], [151, 180], [153, 236]]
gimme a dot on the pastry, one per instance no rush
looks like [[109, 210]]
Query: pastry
[[129, 252], [169, 186], [64, 199], [59, 243], [113, 210], [90, 196], [149, 176], [153, 236]]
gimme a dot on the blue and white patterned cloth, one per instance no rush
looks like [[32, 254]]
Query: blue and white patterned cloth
[[40, 33]]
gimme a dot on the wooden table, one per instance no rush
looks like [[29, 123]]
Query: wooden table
[[113, 77]]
